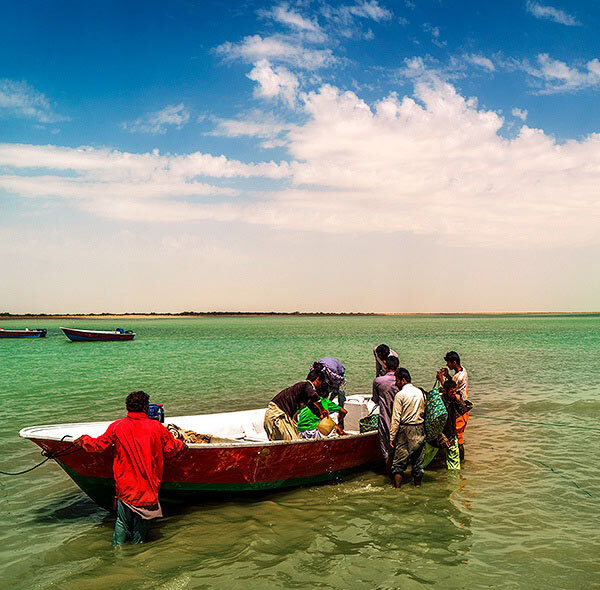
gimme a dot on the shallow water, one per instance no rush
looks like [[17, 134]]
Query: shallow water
[[523, 513]]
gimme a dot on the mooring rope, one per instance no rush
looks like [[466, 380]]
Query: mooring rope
[[48, 456]]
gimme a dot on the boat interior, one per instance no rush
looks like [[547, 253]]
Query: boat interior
[[242, 427]]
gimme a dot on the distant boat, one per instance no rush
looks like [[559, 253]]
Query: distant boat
[[98, 335], [26, 333]]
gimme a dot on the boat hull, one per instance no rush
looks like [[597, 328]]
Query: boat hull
[[202, 470], [91, 336], [22, 333]]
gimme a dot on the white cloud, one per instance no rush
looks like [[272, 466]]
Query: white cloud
[[556, 76], [288, 16], [481, 61], [256, 124], [435, 35], [111, 183], [274, 82], [520, 113], [432, 163], [551, 13], [369, 9], [19, 99], [277, 48], [343, 19], [157, 122], [435, 164]]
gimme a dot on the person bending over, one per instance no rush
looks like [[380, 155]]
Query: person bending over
[[407, 429], [140, 447], [461, 378], [280, 417]]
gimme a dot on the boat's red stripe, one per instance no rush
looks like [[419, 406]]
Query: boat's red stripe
[[241, 465]]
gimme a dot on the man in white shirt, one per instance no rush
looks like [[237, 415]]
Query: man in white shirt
[[407, 429]]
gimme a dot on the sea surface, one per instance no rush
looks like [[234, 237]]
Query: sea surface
[[524, 512]]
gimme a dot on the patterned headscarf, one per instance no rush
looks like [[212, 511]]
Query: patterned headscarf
[[333, 372]]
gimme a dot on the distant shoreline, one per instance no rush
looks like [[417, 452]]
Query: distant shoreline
[[225, 314]]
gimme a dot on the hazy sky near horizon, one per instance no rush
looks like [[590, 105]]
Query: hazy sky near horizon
[[363, 155]]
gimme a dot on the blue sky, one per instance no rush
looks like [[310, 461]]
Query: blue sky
[[241, 142]]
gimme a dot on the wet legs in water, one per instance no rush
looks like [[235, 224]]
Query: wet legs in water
[[397, 480], [129, 526], [409, 449]]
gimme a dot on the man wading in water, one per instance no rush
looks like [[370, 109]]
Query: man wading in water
[[407, 430], [384, 392], [140, 446], [461, 378]]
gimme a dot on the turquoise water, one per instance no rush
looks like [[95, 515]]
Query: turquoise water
[[523, 513]]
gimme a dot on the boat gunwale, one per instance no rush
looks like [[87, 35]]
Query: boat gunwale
[[199, 446]]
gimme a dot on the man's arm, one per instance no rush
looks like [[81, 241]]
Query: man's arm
[[99, 444], [313, 401], [321, 411], [459, 404], [375, 396], [442, 375], [338, 428], [171, 446], [396, 413]]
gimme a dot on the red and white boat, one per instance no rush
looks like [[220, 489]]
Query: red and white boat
[[98, 335], [250, 462]]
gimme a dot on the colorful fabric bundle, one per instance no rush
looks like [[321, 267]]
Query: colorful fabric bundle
[[436, 414], [189, 436]]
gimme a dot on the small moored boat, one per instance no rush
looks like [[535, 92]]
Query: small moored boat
[[26, 333], [247, 461], [98, 335]]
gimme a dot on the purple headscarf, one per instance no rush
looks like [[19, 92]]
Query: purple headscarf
[[334, 372]]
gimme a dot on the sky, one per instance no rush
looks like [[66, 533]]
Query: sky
[[356, 156]]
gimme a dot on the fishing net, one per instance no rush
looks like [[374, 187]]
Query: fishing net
[[368, 423]]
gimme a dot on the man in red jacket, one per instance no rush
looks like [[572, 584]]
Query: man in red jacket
[[140, 446]]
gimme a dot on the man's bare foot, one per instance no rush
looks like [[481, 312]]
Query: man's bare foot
[[397, 480], [417, 481]]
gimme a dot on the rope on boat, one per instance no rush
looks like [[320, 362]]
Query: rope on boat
[[48, 456]]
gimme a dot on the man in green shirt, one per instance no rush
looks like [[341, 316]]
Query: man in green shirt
[[308, 421]]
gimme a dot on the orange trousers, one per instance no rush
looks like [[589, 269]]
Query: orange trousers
[[461, 424]]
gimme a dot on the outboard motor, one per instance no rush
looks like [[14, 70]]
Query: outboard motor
[[156, 412]]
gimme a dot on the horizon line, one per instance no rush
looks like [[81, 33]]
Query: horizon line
[[9, 315]]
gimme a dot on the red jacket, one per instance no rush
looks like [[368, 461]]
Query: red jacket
[[140, 445]]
